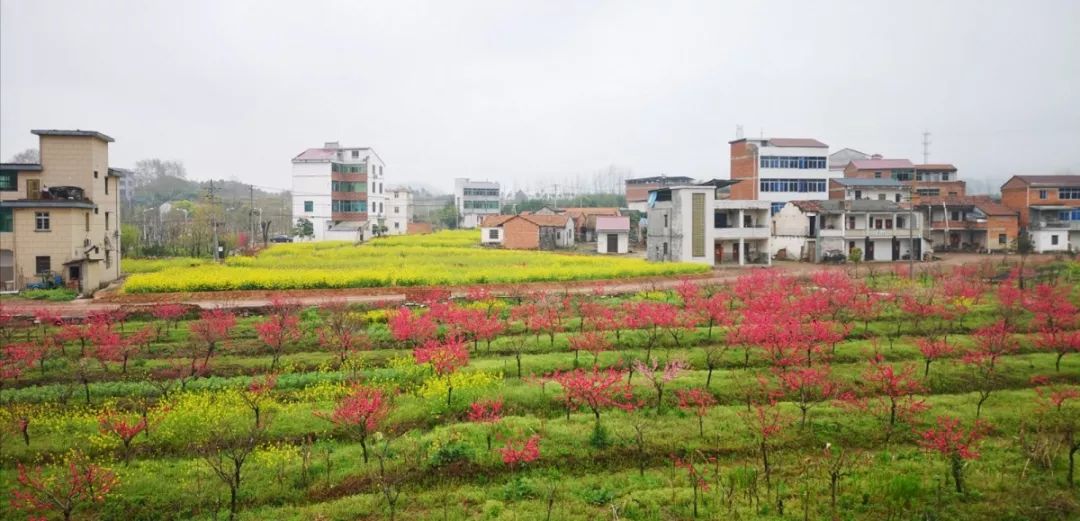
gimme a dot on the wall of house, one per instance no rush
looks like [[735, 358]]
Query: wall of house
[[399, 210], [520, 234], [602, 239], [492, 235], [311, 182], [743, 166]]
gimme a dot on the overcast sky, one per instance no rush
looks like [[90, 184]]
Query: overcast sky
[[534, 92]]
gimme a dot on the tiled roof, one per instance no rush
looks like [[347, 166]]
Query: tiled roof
[[604, 222], [547, 220], [982, 202], [73, 133], [837, 206], [936, 166], [323, 154], [1050, 180], [856, 181], [796, 142], [881, 164], [492, 221]]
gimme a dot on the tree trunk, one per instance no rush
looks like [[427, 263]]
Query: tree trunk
[[926, 371], [958, 472], [1057, 363], [363, 448], [765, 463], [708, 378], [1072, 462]]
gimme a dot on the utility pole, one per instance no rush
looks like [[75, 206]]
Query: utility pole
[[213, 219], [911, 231], [925, 147], [251, 215]]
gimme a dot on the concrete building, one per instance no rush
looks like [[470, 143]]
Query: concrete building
[[341, 191], [61, 217], [883, 230], [474, 200], [1049, 209], [399, 210], [853, 189], [839, 160], [970, 223], [779, 170], [612, 234], [693, 224], [637, 189], [938, 180], [931, 180]]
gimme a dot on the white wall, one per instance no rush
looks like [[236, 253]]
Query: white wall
[[399, 210], [795, 173], [601, 242], [1042, 240], [311, 182], [485, 236]]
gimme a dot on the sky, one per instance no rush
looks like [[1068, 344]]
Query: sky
[[533, 93]]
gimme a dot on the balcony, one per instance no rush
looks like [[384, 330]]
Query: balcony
[[348, 216], [881, 233], [1055, 225], [744, 232], [979, 224]]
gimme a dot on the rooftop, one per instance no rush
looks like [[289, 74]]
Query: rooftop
[[73, 133], [323, 154], [836, 206], [547, 220], [20, 167], [662, 179], [936, 166], [855, 181], [605, 222], [881, 164], [800, 142], [493, 221], [1049, 180], [982, 202]]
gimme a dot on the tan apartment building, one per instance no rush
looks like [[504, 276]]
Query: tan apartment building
[[60, 218]]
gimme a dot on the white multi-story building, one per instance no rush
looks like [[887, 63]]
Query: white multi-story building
[[779, 170], [399, 210], [883, 230], [474, 200], [340, 191], [694, 223]]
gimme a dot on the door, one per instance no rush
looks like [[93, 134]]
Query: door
[[613, 243], [813, 225], [7, 270], [869, 247], [718, 253], [895, 249]]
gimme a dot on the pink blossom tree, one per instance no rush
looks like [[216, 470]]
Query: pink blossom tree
[[281, 328], [486, 412], [361, 414], [955, 443], [445, 358], [659, 375], [698, 401], [80, 485]]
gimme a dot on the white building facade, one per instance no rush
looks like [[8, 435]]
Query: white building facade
[[779, 170], [475, 200], [883, 230], [340, 190], [691, 224], [399, 210]]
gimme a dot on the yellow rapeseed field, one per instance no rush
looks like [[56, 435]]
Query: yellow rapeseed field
[[444, 258]]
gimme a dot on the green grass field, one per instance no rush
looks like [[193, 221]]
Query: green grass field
[[305, 468]]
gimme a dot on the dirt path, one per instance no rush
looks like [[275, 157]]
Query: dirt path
[[110, 300]]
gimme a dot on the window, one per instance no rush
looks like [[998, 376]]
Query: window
[[380, 208], [1054, 240], [1042, 194], [356, 154], [898, 198], [900, 222], [792, 185], [776, 207], [798, 162], [397, 225], [95, 174], [493, 234], [954, 215], [851, 222], [858, 194], [665, 249], [106, 220], [348, 206], [880, 197], [41, 221], [43, 264], [1068, 193], [7, 219], [558, 235], [665, 224], [309, 206], [944, 177], [9, 182], [877, 175], [396, 209], [106, 186], [86, 217], [1002, 238]]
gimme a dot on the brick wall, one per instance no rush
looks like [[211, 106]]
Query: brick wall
[[744, 166], [519, 234]]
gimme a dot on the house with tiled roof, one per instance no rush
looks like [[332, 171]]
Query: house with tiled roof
[[969, 223], [491, 231], [340, 191], [884, 230], [1048, 207]]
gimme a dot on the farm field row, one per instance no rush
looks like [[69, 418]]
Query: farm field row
[[444, 258], [771, 398]]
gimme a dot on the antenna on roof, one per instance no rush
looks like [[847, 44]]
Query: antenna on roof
[[738, 132], [925, 147]]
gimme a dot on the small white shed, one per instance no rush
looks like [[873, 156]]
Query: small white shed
[[612, 234]]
